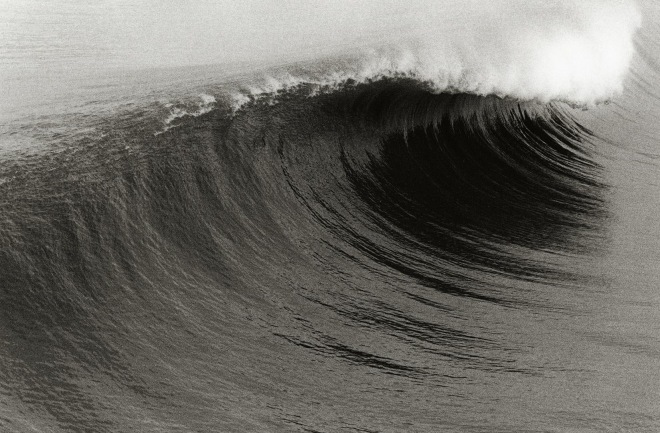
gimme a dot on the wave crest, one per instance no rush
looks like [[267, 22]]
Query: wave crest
[[577, 52]]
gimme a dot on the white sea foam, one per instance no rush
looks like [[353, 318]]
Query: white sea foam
[[203, 106], [578, 51], [195, 108]]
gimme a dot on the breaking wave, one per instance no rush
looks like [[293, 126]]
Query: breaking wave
[[573, 51], [361, 206], [397, 221]]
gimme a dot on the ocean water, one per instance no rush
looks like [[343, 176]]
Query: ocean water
[[341, 217]]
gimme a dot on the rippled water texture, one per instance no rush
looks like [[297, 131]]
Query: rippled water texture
[[222, 249]]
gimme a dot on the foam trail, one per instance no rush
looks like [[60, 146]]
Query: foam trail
[[204, 104]]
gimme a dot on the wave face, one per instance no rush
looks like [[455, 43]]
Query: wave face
[[417, 234]]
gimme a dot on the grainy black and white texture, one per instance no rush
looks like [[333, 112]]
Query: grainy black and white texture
[[342, 242]]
